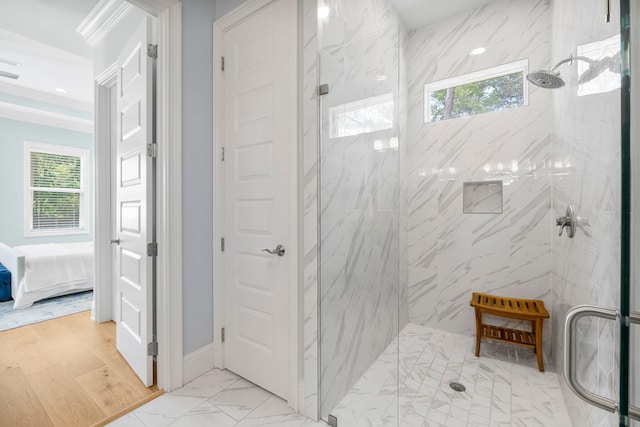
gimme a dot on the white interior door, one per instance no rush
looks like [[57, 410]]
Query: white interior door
[[133, 204], [257, 137]]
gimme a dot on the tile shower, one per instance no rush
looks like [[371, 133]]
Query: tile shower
[[400, 251]]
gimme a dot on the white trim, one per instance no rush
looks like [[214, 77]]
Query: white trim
[[50, 98], [198, 362], [169, 197], [102, 18], [64, 150], [155, 7], [169, 191], [295, 211], [488, 73], [218, 189], [221, 25], [45, 118], [104, 206]]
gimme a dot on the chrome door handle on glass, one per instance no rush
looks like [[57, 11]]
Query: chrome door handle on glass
[[279, 250], [116, 241]]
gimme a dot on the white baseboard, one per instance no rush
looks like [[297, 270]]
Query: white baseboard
[[197, 363]]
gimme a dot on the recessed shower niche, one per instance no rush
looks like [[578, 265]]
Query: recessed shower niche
[[482, 197]]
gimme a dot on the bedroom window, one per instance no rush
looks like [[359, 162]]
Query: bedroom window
[[55, 190]]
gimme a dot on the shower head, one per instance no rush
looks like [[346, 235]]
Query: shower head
[[549, 79], [546, 79]]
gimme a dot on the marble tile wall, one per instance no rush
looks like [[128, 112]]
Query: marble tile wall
[[403, 255], [586, 156], [359, 192], [309, 180], [451, 254]]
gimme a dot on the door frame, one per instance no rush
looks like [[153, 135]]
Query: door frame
[[104, 290], [168, 191], [231, 19]]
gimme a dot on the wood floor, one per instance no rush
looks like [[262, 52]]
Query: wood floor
[[65, 372]]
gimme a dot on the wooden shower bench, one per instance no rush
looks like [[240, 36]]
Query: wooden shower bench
[[513, 308]]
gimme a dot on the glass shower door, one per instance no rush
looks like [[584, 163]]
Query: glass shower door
[[358, 203], [626, 315]]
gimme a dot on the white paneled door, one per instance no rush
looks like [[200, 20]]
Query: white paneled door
[[257, 118], [134, 204]]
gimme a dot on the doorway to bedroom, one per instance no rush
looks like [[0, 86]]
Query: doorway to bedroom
[[46, 163], [47, 244]]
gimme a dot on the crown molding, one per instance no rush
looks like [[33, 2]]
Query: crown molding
[[50, 98], [102, 19], [154, 7], [46, 118]]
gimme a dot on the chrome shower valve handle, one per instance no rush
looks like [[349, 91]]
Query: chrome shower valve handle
[[568, 221]]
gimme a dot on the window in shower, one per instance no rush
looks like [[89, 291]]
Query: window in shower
[[362, 116], [493, 89]]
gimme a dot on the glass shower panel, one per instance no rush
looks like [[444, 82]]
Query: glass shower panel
[[359, 191]]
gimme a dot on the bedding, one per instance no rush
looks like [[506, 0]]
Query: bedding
[[51, 270], [5, 283]]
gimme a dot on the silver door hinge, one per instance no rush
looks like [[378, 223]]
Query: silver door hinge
[[222, 63], [222, 244], [222, 154], [152, 150], [323, 89], [222, 334], [152, 348], [152, 51], [152, 249]]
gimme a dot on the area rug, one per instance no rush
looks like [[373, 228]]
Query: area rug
[[43, 310]]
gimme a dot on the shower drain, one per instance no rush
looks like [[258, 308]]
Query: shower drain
[[457, 386]]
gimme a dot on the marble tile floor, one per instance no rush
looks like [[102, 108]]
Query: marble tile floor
[[503, 386], [216, 399]]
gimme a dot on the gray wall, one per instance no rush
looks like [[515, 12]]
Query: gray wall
[[197, 172], [197, 167], [13, 135], [225, 6]]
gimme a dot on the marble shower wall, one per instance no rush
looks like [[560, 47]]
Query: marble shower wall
[[359, 192], [452, 254], [586, 155], [309, 105]]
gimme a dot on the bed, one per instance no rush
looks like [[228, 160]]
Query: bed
[[48, 270]]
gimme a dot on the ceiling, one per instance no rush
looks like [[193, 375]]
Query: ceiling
[[419, 13], [53, 22], [41, 36]]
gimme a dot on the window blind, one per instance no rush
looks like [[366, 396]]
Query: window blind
[[56, 190]]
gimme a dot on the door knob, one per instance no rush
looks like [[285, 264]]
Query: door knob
[[279, 250], [116, 241]]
